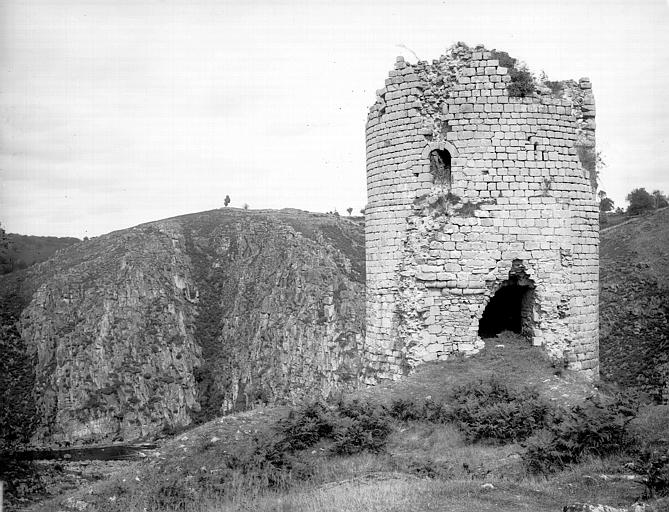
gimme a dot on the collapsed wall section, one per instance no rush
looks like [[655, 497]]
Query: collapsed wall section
[[479, 183]]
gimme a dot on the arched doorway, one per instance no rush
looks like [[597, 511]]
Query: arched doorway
[[511, 308]]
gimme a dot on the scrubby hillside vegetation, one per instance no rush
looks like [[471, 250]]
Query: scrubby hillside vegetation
[[504, 430], [634, 304], [150, 329]]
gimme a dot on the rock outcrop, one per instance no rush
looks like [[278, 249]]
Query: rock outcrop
[[152, 328]]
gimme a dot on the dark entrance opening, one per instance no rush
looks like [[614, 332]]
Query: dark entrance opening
[[511, 308]]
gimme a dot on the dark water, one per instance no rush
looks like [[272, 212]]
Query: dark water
[[114, 452], [23, 477]]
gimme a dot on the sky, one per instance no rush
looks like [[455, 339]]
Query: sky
[[114, 113]]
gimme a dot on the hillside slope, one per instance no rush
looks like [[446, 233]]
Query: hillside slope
[[154, 327], [634, 304], [21, 251]]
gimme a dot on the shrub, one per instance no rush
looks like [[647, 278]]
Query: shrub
[[652, 463], [605, 204], [640, 201], [419, 410], [505, 60], [490, 410], [362, 427], [522, 83], [353, 426], [597, 427], [305, 427], [267, 465]]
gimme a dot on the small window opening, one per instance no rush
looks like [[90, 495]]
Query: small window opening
[[440, 166], [511, 308]]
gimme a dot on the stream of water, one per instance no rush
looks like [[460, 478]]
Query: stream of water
[[112, 452]]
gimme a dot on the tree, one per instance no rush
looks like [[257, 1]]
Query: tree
[[640, 201], [605, 204], [349, 210], [226, 201], [4, 240], [6, 253], [246, 206], [659, 199]]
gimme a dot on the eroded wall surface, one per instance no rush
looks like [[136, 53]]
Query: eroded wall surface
[[518, 197]]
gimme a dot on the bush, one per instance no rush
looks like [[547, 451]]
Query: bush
[[522, 83], [304, 428], [363, 427], [352, 426], [605, 204], [490, 410], [640, 201], [267, 465], [598, 427], [652, 463], [419, 410]]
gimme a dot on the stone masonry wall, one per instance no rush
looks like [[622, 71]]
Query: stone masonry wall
[[517, 201]]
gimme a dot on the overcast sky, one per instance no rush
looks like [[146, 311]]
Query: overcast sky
[[114, 113]]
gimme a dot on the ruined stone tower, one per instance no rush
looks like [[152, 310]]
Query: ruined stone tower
[[481, 213]]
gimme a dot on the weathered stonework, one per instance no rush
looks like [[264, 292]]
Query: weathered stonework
[[474, 192]]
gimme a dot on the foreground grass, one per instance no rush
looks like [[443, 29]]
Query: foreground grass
[[400, 494]]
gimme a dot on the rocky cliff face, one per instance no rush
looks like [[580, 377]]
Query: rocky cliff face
[[154, 327]]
